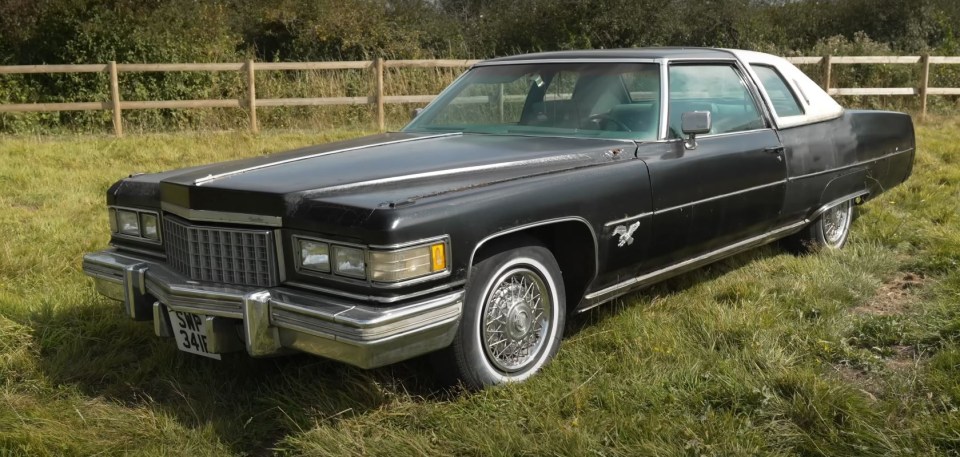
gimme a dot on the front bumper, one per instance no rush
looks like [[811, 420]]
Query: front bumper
[[275, 320]]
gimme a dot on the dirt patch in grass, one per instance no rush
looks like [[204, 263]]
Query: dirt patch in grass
[[895, 295], [904, 358], [867, 382], [872, 382]]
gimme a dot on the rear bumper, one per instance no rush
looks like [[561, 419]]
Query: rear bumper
[[276, 320]]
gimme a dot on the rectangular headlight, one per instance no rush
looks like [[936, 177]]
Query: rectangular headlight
[[128, 223], [112, 215], [349, 262], [404, 264], [135, 223], [149, 226], [314, 255]]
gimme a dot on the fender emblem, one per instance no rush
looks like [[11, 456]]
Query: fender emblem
[[626, 234]]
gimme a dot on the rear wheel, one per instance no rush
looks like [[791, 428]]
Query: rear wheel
[[513, 318], [829, 231]]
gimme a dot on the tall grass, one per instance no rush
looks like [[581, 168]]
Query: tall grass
[[835, 353]]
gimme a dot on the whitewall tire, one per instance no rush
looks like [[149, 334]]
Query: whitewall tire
[[513, 318]]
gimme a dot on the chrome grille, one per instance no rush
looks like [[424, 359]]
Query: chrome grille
[[221, 254]]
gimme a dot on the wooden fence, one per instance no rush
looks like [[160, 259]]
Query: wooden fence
[[250, 102], [379, 99], [922, 90]]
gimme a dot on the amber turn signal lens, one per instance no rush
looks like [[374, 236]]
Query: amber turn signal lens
[[438, 256]]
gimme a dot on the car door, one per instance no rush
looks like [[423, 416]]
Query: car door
[[731, 185]]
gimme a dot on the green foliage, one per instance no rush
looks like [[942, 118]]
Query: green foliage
[[872, 75], [97, 31], [344, 29], [159, 31]]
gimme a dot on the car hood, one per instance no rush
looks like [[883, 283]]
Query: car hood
[[379, 171]]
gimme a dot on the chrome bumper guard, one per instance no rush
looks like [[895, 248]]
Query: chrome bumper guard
[[278, 319]]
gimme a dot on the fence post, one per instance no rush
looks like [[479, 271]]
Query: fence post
[[252, 96], [827, 69], [924, 84], [115, 99], [500, 103], [381, 114]]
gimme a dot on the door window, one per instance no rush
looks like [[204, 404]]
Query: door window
[[784, 102], [718, 89]]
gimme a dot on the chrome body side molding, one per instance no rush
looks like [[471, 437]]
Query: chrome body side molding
[[599, 297], [628, 219], [847, 167], [594, 299], [718, 197]]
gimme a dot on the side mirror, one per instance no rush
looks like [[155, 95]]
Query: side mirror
[[695, 123], [416, 112]]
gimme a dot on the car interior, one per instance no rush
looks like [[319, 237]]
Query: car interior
[[597, 102]]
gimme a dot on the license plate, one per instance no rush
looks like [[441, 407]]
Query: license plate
[[191, 331]]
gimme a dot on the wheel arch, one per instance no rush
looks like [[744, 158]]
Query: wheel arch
[[857, 197], [569, 239], [853, 182]]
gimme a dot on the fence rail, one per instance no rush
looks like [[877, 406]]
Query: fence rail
[[379, 98], [922, 90]]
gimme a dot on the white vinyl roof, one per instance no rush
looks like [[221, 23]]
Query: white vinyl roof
[[817, 104]]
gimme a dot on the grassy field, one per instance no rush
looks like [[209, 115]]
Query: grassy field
[[839, 353]]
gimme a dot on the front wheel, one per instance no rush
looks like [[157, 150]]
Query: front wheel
[[830, 230], [513, 318]]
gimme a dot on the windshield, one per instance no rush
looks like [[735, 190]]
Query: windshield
[[593, 100]]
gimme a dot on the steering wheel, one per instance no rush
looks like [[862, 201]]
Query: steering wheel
[[601, 118]]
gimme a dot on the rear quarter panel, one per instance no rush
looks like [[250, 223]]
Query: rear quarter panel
[[868, 151]]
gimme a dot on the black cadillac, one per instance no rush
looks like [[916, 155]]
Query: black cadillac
[[534, 187]]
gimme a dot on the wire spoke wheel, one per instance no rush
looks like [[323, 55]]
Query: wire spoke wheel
[[514, 312], [829, 230], [516, 319], [835, 223]]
